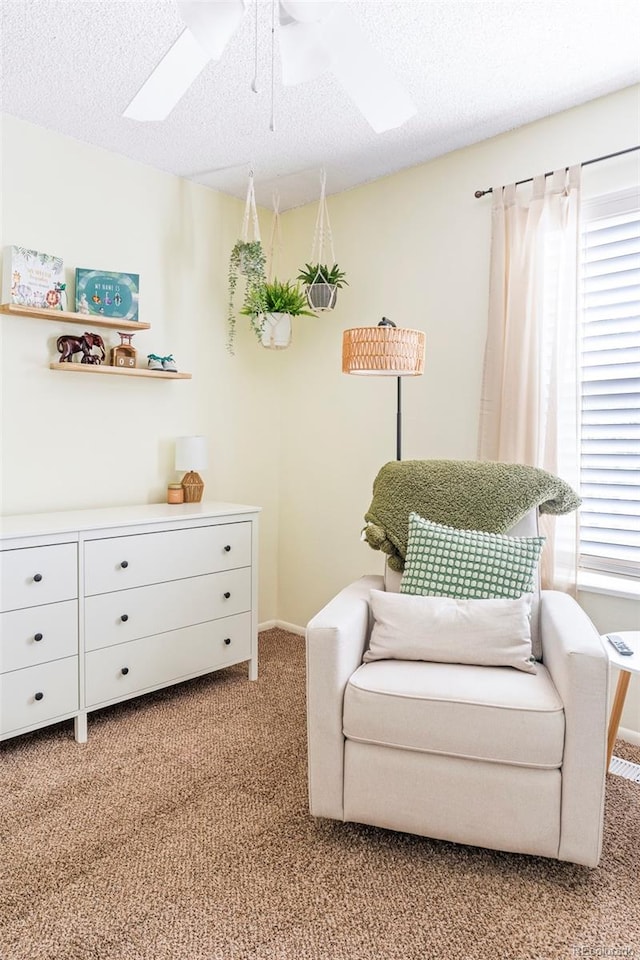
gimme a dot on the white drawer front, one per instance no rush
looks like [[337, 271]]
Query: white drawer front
[[38, 575], [19, 690], [122, 562], [114, 673], [38, 634], [130, 614]]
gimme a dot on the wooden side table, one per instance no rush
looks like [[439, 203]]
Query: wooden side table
[[626, 666]]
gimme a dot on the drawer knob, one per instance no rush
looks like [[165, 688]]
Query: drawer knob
[[227, 549], [227, 641], [37, 577], [38, 637], [124, 617], [39, 696], [124, 671], [124, 564], [226, 595]]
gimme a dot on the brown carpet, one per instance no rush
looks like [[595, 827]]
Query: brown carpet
[[181, 832]]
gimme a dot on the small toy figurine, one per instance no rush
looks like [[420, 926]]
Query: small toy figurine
[[61, 288], [68, 346], [84, 304]]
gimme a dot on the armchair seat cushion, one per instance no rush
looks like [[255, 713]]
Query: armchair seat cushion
[[494, 714]]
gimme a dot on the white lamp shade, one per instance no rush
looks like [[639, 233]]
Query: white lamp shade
[[191, 453]]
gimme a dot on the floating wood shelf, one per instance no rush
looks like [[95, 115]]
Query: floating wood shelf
[[85, 319], [118, 371]]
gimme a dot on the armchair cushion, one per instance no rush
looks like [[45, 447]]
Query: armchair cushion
[[443, 561], [447, 630], [477, 713]]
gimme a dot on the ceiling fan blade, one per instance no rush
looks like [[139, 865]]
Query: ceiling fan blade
[[212, 22], [303, 52], [365, 76], [169, 81], [210, 26]]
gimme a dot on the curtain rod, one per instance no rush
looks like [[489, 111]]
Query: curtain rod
[[585, 163]]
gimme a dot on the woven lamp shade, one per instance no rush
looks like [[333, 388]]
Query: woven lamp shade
[[383, 351]]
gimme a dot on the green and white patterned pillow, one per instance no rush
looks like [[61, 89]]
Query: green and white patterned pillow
[[468, 564]]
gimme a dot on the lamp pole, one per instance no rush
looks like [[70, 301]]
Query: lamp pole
[[385, 322]]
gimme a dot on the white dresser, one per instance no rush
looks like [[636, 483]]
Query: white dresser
[[97, 606]]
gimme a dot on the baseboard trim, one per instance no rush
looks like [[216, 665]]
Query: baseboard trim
[[631, 736], [282, 625]]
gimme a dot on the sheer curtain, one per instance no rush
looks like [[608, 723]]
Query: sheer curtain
[[529, 401]]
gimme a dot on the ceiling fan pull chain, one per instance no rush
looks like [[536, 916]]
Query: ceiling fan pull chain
[[250, 210], [275, 242], [272, 124], [254, 82]]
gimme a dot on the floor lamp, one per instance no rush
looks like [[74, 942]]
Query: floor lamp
[[384, 351]]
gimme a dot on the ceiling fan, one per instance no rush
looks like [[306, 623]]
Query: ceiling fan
[[315, 36]]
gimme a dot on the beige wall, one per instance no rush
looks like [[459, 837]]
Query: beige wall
[[415, 247], [71, 441], [286, 429]]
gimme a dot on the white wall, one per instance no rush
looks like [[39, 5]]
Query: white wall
[[286, 429], [415, 247], [81, 441]]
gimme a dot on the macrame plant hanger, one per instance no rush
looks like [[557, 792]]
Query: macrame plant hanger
[[276, 327], [321, 294], [250, 219], [275, 240]]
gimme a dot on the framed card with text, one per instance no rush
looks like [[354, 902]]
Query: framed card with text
[[107, 294]]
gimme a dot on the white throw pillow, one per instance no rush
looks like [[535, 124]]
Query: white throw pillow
[[494, 633]]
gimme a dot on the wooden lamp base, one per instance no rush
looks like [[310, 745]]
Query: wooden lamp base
[[193, 486]]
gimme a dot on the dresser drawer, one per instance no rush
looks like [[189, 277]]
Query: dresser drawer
[[38, 634], [122, 562], [38, 575], [127, 669], [58, 684], [130, 614]]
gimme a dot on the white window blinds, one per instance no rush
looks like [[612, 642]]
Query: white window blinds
[[610, 385]]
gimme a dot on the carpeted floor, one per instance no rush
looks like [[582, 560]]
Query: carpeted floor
[[180, 831]]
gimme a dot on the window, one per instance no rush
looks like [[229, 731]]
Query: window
[[610, 385]]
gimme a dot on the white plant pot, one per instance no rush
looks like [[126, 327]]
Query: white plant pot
[[276, 331]]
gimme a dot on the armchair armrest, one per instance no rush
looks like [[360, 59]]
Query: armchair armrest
[[573, 654], [336, 640]]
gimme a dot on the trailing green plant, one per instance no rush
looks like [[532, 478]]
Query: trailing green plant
[[276, 297], [248, 258], [321, 273]]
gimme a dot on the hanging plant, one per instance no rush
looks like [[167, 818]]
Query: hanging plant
[[247, 258], [322, 284], [270, 309]]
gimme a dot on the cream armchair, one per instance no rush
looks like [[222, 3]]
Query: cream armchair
[[481, 755]]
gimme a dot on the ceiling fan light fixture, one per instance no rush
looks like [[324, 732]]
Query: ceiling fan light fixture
[[306, 11], [212, 23]]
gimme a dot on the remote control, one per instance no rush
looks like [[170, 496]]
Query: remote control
[[619, 644]]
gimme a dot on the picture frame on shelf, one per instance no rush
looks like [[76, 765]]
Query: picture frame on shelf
[[106, 293], [33, 279]]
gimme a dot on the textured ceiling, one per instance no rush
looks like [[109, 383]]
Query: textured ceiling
[[474, 69]]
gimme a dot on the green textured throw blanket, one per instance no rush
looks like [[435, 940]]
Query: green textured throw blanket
[[467, 494]]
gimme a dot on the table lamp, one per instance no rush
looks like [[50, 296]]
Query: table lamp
[[385, 351], [191, 455]]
